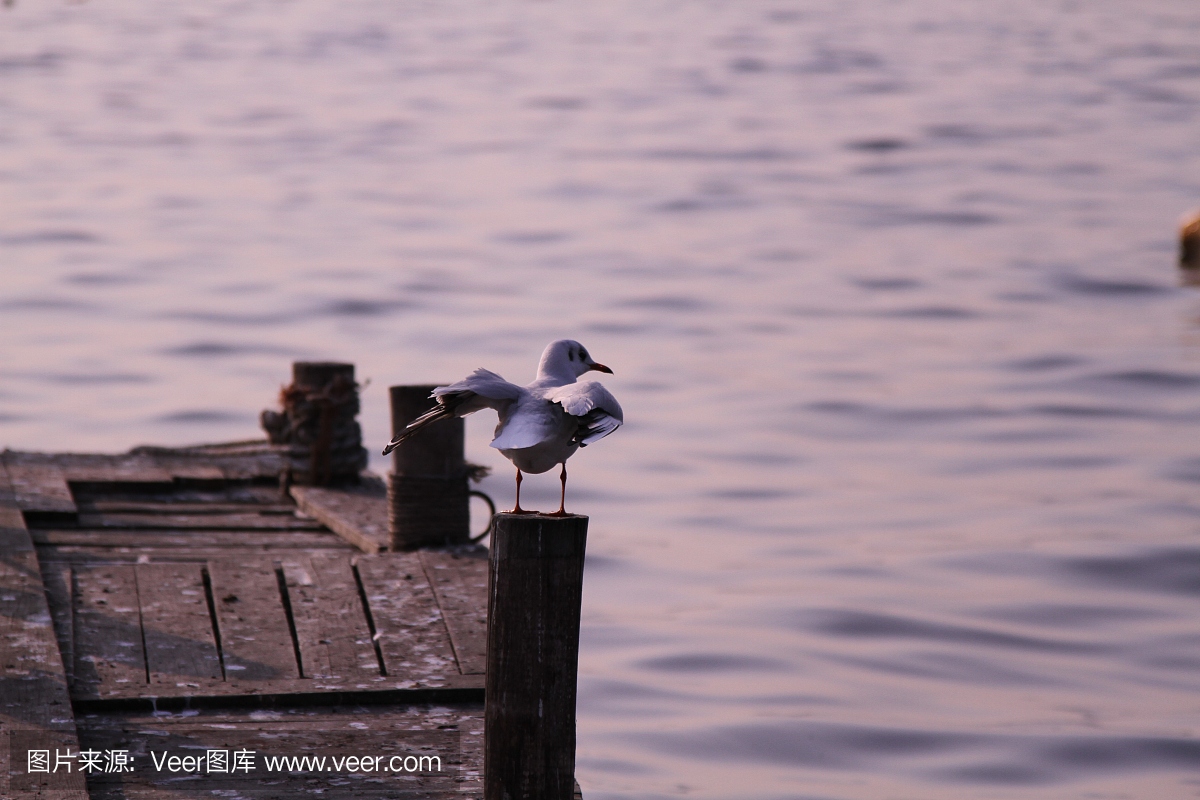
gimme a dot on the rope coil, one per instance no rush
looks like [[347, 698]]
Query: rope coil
[[318, 422], [427, 511]]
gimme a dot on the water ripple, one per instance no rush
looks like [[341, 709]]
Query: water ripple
[[208, 349], [808, 744], [1111, 288], [712, 662], [1168, 570], [878, 216], [987, 759], [1147, 378], [49, 237], [888, 284], [1175, 571], [872, 625], [880, 145], [44, 61], [1045, 363], [96, 378], [674, 302], [940, 666], [204, 416], [929, 313], [359, 307], [1067, 615]]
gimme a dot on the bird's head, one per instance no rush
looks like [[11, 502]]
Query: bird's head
[[567, 358]]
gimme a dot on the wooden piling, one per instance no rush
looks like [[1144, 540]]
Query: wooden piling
[[1189, 244], [318, 422], [427, 487], [535, 592]]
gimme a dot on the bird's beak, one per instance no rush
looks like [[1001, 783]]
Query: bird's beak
[[601, 368]]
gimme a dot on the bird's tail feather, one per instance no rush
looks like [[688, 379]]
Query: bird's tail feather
[[432, 415]]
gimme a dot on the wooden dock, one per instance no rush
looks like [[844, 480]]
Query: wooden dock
[[177, 601]]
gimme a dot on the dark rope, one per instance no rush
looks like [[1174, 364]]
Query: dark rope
[[427, 511], [319, 423]]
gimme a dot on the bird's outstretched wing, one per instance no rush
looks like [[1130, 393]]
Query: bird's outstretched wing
[[598, 412], [481, 389]]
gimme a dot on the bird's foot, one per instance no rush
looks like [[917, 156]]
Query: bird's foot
[[519, 510], [559, 513]]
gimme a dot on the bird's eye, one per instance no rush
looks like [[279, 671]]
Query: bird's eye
[[583, 355]]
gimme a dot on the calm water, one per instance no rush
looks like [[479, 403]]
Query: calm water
[[907, 502]]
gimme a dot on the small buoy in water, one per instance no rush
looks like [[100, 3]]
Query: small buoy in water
[[1189, 242]]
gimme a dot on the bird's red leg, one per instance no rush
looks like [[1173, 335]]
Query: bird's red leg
[[517, 506], [562, 502]]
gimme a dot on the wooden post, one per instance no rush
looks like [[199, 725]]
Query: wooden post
[[427, 487], [318, 422], [318, 374], [1189, 243], [535, 581]]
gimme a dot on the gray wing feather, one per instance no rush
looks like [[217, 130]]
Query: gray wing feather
[[484, 383], [598, 411], [481, 389], [594, 426]]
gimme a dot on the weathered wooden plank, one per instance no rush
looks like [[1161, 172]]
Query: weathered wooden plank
[[452, 732], [170, 539], [169, 505], [39, 485], [330, 622], [180, 642], [84, 555], [31, 659], [452, 715], [188, 469], [408, 623], [33, 683], [285, 693], [10, 515], [33, 692], [60, 592], [10, 511], [358, 514], [303, 600], [107, 630], [236, 461], [98, 468], [256, 496], [460, 583], [351, 650], [200, 522], [458, 717], [256, 643]]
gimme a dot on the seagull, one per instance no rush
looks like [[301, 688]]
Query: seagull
[[541, 424]]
